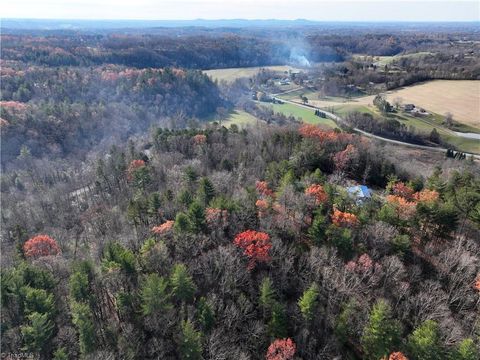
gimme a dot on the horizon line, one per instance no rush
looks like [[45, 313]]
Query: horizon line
[[244, 19]]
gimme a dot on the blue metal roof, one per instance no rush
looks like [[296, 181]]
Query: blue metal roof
[[360, 191]]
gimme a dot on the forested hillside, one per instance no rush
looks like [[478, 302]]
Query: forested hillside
[[196, 51], [135, 226], [222, 244], [50, 111]]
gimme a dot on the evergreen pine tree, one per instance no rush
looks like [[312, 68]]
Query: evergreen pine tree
[[206, 191], [382, 334], [38, 332], [424, 342], [277, 326], [190, 346], [154, 295], [205, 315], [267, 294], [308, 302], [182, 283], [83, 320]]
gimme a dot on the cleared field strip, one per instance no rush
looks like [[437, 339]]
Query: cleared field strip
[[231, 74], [240, 118], [305, 114]]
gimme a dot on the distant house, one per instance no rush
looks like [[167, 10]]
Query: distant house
[[360, 192], [408, 107], [285, 82], [419, 112]]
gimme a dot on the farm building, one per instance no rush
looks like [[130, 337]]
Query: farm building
[[360, 192]]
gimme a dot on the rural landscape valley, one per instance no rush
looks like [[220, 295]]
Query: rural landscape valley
[[277, 189]]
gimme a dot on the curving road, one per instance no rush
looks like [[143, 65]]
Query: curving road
[[339, 119]]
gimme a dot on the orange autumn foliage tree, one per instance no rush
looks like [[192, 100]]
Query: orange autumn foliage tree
[[317, 192], [314, 132], [477, 283], [134, 165], [40, 245], [344, 219], [163, 228], [281, 349], [263, 189], [216, 217], [13, 105], [426, 196], [199, 139], [405, 209], [256, 246], [397, 356], [262, 206]]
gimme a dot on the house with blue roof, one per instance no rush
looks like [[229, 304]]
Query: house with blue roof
[[360, 192]]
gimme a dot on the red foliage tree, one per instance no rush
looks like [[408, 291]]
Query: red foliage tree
[[400, 189], [344, 219], [256, 246], [317, 192], [344, 158], [281, 349], [362, 265], [41, 245]]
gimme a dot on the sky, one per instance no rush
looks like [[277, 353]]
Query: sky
[[323, 10]]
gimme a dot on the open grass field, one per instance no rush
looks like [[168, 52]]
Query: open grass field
[[237, 117], [306, 115], [232, 74], [387, 60], [344, 109], [295, 95], [459, 97]]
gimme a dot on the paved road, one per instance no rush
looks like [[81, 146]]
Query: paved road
[[339, 119]]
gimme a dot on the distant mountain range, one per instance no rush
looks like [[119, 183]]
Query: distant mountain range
[[75, 24]]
